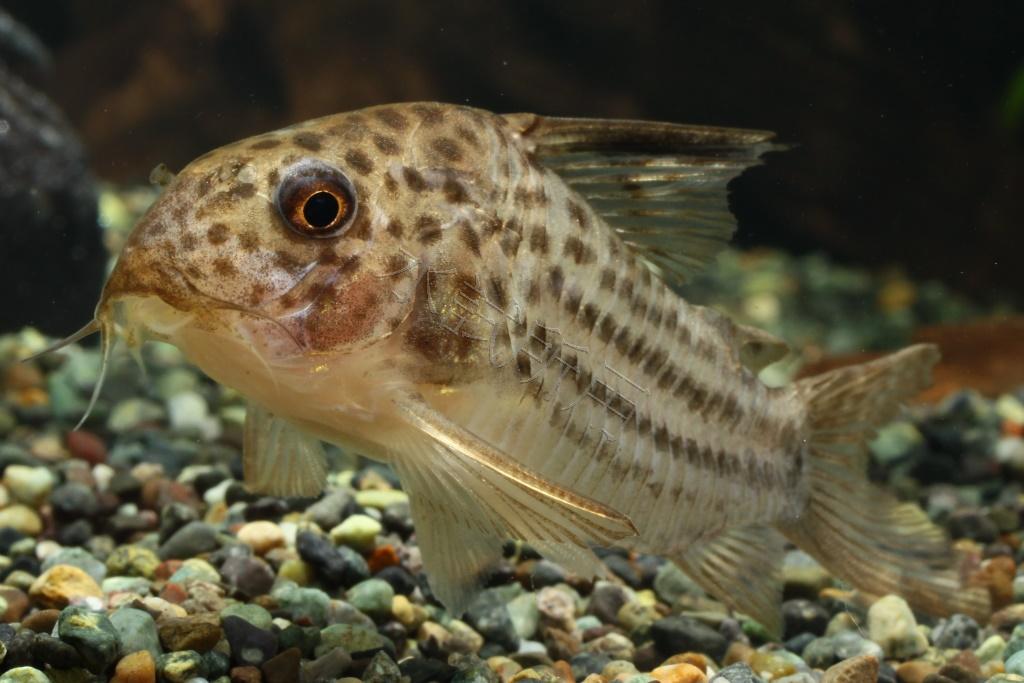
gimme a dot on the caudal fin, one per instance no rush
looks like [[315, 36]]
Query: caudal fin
[[859, 533]]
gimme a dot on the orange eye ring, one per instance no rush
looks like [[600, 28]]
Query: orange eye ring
[[316, 200]]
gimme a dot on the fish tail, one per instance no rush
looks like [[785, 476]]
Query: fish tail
[[861, 534]]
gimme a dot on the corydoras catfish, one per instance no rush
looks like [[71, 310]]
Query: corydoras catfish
[[484, 302]]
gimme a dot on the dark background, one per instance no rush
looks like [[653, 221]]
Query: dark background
[[908, 116]]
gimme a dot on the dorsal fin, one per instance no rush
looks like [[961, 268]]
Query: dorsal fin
[[661, 186]]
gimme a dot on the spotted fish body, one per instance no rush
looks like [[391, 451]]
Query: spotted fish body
[[493, 318]]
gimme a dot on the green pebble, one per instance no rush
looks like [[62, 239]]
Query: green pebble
[[372, 597], [302, 603], [130, 413], [92, 634], [356, 640], [381, 669], [133, 560], [179, 667], [195, 570], [137, 630], [1015, 664], [358, 532], [254, 614]]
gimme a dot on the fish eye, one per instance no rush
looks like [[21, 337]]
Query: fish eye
[[316, 200]]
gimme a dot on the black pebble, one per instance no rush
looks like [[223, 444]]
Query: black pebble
[[237, 493], [336, 566], [173, 516], [586, 663], [401, 580], [250, 646], [9, 537], [265, 509], [47, 650], [622, 568], [803, 616], [673, 635], [77, 532], [797, 643], [73, 500], [420, 670], [207, 480]]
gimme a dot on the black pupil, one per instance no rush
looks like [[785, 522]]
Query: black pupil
[[321, 209]]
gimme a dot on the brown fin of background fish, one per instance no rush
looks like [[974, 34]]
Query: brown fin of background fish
[[742, 568], [278, 459], [463, 490], [759, 349], [661, 186], [858, 532]]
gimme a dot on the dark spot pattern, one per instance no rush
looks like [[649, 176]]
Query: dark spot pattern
[[266, 143], [469, 237], [386, 144], [392, 119], [539, 239], [414, 179], [217, 234], [358, 161], [306, 140], [447, 148]]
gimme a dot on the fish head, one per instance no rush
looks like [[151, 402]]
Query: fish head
[[301, 245]]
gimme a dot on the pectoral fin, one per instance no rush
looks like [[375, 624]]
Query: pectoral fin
[[278, 459], [467, 496]]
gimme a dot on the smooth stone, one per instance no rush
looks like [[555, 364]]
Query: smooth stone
[[262, 536], [358, 532], [199, 632], [283, 667], [252, 613], [328, 512], [180, 667], [77, 557], [41, 621], [672, 583], [29, 485], [55, 653], [803, 616], [489, 616], [216, 663], [61, 585], [1015, 664], [372, 597], [136, 667], [525, 615], [24, 674], [189, 413], [336, 565], [556, 607], [21, 518], [615, 645], [381, 498], [991, 649], [250, 646], [133, 560], [852, 644], [862, 669], [606, 600], [92, 634], [891, 624], [682, 634], [635, 615], [137, 631], [194, 569], [190, 540], [586, 663], [358, 641], [73, 500], [303, 604], [126, 584]]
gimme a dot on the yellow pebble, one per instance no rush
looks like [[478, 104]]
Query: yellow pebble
[[679, 673]]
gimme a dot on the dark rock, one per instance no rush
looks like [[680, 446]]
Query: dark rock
[[335, 565], [124, 485], [471, 669], [208, 479], [422, 670], [797, 643], [803, 616], [401, 580], [237, 493], [586, 663], [190, 540], [283, 667], [605, 602], [972, 524], [959, 632], [820, 653], [73, 500], [75, 533], [19, 649], [489, 616], [249, 645], [227, 551], [246, 674], [124, 526], [381, 669], [622, 568], [265, 509], [174, 516], [9, 537], [53, 652], [736, 673], [327, 512], [396, 518], [546, 573], [957, 673], [306, 638], [673, 635], [247, 576], [216, 664], [328, 667], [92, 635], [886, 674]]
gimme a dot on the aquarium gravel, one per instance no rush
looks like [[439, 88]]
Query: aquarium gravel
[[130, 551]]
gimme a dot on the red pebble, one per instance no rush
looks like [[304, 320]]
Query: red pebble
[[174, 592], [87, 446], [1011, 428], [384, 556], [166, 569]]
